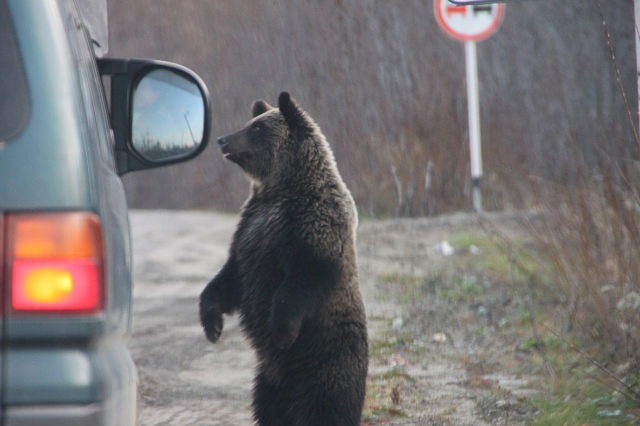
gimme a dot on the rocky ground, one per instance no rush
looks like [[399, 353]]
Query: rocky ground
[[446, 336]]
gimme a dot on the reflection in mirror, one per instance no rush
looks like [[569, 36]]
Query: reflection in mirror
[[168, 116]]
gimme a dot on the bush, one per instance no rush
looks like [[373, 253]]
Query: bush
[[591, 231]]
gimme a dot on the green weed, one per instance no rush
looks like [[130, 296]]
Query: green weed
[[501, 258], [583, 402]]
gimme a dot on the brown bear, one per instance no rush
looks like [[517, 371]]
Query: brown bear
[[292, 273]]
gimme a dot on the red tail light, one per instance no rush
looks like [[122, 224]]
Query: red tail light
[[54, 263]]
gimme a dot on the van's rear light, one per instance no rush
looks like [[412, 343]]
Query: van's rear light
[[54, 263]]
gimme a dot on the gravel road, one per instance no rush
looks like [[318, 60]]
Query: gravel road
[[185, 381]]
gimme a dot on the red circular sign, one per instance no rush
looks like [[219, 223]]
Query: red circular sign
[[469, 23]]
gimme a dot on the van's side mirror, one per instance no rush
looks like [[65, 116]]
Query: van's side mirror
[[160, 112]]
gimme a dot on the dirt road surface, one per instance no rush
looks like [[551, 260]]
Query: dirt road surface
[[186, 381]]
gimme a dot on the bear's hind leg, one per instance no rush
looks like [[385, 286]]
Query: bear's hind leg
[[269, 403], [317, 407]]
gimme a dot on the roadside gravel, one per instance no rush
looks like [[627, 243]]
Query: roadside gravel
[[429, 364]]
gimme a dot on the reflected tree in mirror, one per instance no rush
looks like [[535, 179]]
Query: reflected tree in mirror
[[168, 116]]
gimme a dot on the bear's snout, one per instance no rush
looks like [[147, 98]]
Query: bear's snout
[[232, 148], [222, 141]]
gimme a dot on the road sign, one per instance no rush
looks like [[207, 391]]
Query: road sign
[[469, 23]]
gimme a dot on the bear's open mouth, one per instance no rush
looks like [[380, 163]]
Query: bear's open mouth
[[234, 156], [226, 152], [229, 156]]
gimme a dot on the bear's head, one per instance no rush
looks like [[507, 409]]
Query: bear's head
[[272, 140]]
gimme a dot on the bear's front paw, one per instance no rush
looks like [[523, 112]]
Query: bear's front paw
[[212, 323]]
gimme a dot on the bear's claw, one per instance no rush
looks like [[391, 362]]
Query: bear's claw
[[212, 323]]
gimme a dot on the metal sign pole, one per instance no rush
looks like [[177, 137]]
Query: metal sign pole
[[473, 104]]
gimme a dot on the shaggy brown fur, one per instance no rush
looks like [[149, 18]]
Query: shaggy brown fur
[[292, 273]]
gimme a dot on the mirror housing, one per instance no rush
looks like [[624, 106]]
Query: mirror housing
[[160, 112]]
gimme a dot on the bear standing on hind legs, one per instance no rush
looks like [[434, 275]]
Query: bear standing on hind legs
[[292, 273]]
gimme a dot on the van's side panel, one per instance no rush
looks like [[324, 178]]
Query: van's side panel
[[66, 370], [53, 133]]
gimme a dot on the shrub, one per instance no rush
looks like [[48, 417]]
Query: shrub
[[591, 231]]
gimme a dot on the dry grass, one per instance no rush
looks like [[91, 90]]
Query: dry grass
[[592, 234]]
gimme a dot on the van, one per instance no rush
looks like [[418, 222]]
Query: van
[[72, 121]]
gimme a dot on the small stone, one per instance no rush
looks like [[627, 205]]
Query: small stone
[[398, 323], [439, 338]]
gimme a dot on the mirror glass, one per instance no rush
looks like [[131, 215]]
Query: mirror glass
[[168, 116]]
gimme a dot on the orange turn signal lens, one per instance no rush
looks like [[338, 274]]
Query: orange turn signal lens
[[55, 235]]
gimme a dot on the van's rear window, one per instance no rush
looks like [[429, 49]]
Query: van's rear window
[[14, 94]]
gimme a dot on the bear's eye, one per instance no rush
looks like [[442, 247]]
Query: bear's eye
[[256, 128]]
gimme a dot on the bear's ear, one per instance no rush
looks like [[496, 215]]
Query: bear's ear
[[260, 107], [292, 113]]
